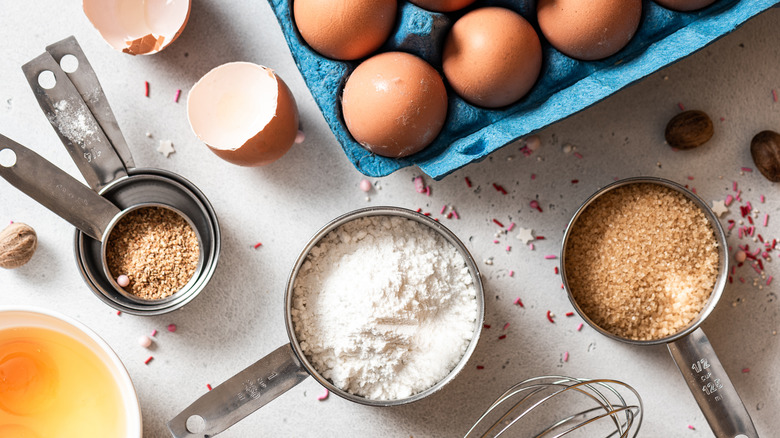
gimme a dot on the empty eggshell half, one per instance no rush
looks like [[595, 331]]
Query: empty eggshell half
[[138, 27], [244, 113]]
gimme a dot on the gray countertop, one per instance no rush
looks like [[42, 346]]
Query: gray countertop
[[240, 316]]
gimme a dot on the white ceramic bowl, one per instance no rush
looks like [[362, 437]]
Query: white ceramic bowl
[[24, 316]]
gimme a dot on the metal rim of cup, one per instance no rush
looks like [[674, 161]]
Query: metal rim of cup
[[110, 276], [720, 237], [94, 276], [440, 230], [119, 371]]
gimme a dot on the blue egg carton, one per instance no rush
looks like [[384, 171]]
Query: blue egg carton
[[565, 85]]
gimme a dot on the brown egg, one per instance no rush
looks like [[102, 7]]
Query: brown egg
[[394, 104], [492, 57], [244, 113], [442, 5], [684, 5], [345, 29], [589, 29]]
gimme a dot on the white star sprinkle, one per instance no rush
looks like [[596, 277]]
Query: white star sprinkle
[[526, 235], [165, 148], [719, 207]]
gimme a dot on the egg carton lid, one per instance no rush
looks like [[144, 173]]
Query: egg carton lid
[[472, 133]]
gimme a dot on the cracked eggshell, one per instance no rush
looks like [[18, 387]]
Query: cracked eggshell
[[244, 113], [138, 27]]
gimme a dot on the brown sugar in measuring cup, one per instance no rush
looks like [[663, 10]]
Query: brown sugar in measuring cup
[[644, 262], [156, 248]]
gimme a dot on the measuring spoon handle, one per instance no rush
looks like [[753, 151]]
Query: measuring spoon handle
[[56, 190], [240, 395], [711, 387]]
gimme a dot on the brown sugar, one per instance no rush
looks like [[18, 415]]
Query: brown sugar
[[156, 248], [642, 261]]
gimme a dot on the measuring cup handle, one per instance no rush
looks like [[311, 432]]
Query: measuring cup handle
[[240, 395], [56, 190], [711, 387]]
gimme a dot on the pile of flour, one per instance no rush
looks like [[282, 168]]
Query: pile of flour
[[384, 307]]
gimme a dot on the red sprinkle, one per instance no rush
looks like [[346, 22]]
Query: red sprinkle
[[550, 317], [539, 237], [487, 326], [208, 385], [746, 169], [502, 337], [499, 188], [146, 88], [575, 181], [578, 155], [774, 95], [680, 105], [745, 370], [519, 302], [118, 312], [535, 204], [146, 362], [569, 313], [506, 326], [556, 269], [258, 245], [533, 176], [171, 328], [468, 181], [690, 178], [324, 397], [498, 223], [480, 367]]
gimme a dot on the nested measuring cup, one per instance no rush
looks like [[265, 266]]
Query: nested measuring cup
[[287, 366], [95, 216], [689, 347], [69, 93]]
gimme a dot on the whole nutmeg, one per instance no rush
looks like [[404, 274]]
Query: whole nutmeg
[[17, 245], [689, 129], [765, 149]]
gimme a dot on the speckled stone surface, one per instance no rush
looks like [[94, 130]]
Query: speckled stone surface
[[239, 317]]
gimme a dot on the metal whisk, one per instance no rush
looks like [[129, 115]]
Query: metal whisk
[[609, 408]]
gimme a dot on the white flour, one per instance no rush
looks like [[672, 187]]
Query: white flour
[[384, 307]]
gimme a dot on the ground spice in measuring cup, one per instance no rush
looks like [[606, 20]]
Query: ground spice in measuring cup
[[156, 248], [642, 261]]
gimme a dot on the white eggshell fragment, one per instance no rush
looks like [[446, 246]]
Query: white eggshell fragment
[[138, 27], [244, 113]]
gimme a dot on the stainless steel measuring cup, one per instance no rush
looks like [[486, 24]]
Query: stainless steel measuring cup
[[689, 347], [77, 108], [287, 366]]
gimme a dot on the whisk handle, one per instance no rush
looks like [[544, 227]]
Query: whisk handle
[[711, 387]]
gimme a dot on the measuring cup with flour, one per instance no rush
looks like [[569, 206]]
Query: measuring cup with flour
[[384, 306], [644, 262]]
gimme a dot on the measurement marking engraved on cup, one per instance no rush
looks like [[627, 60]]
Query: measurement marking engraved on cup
[[253, 387], [708, 387], [65, 191]]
